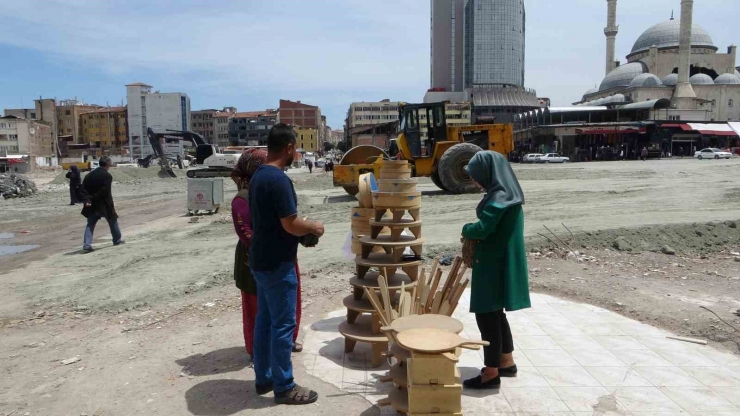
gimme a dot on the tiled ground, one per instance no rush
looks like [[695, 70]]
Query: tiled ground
[[573, 359]]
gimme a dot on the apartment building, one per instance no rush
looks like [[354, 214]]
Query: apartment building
[[456, 114], [250, 128], [371, 113], [201, 122], [160, 111], [307, 139], [68, 118], [105, 130], [221, 125], [24, 144]]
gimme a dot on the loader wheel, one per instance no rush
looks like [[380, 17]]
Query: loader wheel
[[451, 168], [437, 181]]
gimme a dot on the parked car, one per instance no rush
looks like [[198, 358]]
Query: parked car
[[712, 153], [552, 158], [531, 157]]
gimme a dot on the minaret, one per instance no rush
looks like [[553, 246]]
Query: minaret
[[611, 31], [683, 88]]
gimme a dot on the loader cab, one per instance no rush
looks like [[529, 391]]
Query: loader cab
[[414, 117]]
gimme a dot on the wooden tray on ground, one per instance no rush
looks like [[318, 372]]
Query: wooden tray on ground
[[395, 229], [396, 248], [385, 264], [428, 321], [371, 281], [362, 331], [430, 341]]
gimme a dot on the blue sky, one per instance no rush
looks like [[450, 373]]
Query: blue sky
[[251, 53]]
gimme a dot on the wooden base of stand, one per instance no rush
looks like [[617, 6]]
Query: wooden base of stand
[[395, 229], [395, 248], [362, 331]]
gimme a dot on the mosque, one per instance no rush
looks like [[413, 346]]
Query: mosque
[[676, 92]]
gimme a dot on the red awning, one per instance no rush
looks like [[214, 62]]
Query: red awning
[[717, 129]]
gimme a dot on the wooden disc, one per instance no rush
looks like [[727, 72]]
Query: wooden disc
[[397, 185], [361, 331], [392, 174], [404, 200], [363, 212], [431, 340], [442, 322], [385, 241], [371, 281], [384, 260], [396, 162]]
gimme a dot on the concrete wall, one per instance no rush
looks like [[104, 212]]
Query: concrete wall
[[720, 95], [663, 62]]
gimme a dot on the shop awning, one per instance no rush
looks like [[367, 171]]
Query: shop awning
[[717, 129], [14, 159], [611, 130], [735, 126]]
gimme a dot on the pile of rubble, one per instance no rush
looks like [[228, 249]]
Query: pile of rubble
[[13, 185]]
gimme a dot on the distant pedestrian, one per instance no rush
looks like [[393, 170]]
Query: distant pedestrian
[[680, 151], [309, 163], [644, 154], [75, 182], [96, 193], [242, 174], [277, 228]]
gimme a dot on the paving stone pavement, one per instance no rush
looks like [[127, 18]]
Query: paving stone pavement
[[574, 360]]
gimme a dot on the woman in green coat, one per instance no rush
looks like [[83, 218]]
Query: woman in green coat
[[500, 280]]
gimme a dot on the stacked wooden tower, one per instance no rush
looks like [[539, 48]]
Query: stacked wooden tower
[[381, 251]]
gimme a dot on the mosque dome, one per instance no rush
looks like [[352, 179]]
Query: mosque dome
[[727, 79], [737, 73], [623, 75], [646, 80], [668, 35], [701, 79], [671, 80], [591, 91]]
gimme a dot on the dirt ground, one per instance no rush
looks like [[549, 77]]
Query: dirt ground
[[156, 323]]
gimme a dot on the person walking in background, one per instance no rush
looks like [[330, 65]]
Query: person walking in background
[[75, 181], [243, 171], [644, 154], [500, 281], [97, 194], [277, 228], [309, 163]]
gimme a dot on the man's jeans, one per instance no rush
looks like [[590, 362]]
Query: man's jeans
[[92, 220], [274, 327]]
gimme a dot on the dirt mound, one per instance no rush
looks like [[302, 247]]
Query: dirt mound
[[124, 174], [693, 238]]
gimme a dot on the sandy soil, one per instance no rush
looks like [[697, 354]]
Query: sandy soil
[[58, 303]]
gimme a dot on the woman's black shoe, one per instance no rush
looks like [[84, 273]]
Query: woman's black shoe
[[504, 372], [478, 384]]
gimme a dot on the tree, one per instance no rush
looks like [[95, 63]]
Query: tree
[[328, 147], [342, 147]]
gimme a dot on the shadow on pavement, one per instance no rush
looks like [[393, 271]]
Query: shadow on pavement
[[215, 362], [225, 397]]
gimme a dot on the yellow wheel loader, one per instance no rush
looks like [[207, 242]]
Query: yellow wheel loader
[[442, 157]]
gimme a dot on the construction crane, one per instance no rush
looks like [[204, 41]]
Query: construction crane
[[210, 163]]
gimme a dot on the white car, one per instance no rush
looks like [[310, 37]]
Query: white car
[[712, 153], [531, 157], [552, 158]]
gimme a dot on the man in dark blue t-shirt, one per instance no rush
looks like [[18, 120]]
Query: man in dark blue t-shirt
[[272, 255]]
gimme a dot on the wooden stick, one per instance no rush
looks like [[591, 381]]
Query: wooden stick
[[435, 304], [692, 340], [458, 295], [452, 275], [433, 290], [373, 298], [433, 271], [453, 287], [419, 294], [385, 296], [402, 300]]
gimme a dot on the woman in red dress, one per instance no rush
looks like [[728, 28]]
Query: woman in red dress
[[248, 163]]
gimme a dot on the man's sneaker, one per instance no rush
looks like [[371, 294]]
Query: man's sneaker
[[88, 249], [119, 243]]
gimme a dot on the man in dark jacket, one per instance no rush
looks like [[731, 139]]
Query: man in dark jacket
[[96, 192]]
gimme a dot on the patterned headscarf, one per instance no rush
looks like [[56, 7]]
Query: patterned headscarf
[[247, 164]]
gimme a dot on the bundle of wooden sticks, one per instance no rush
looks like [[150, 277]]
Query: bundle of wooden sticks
[[429, 296]]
